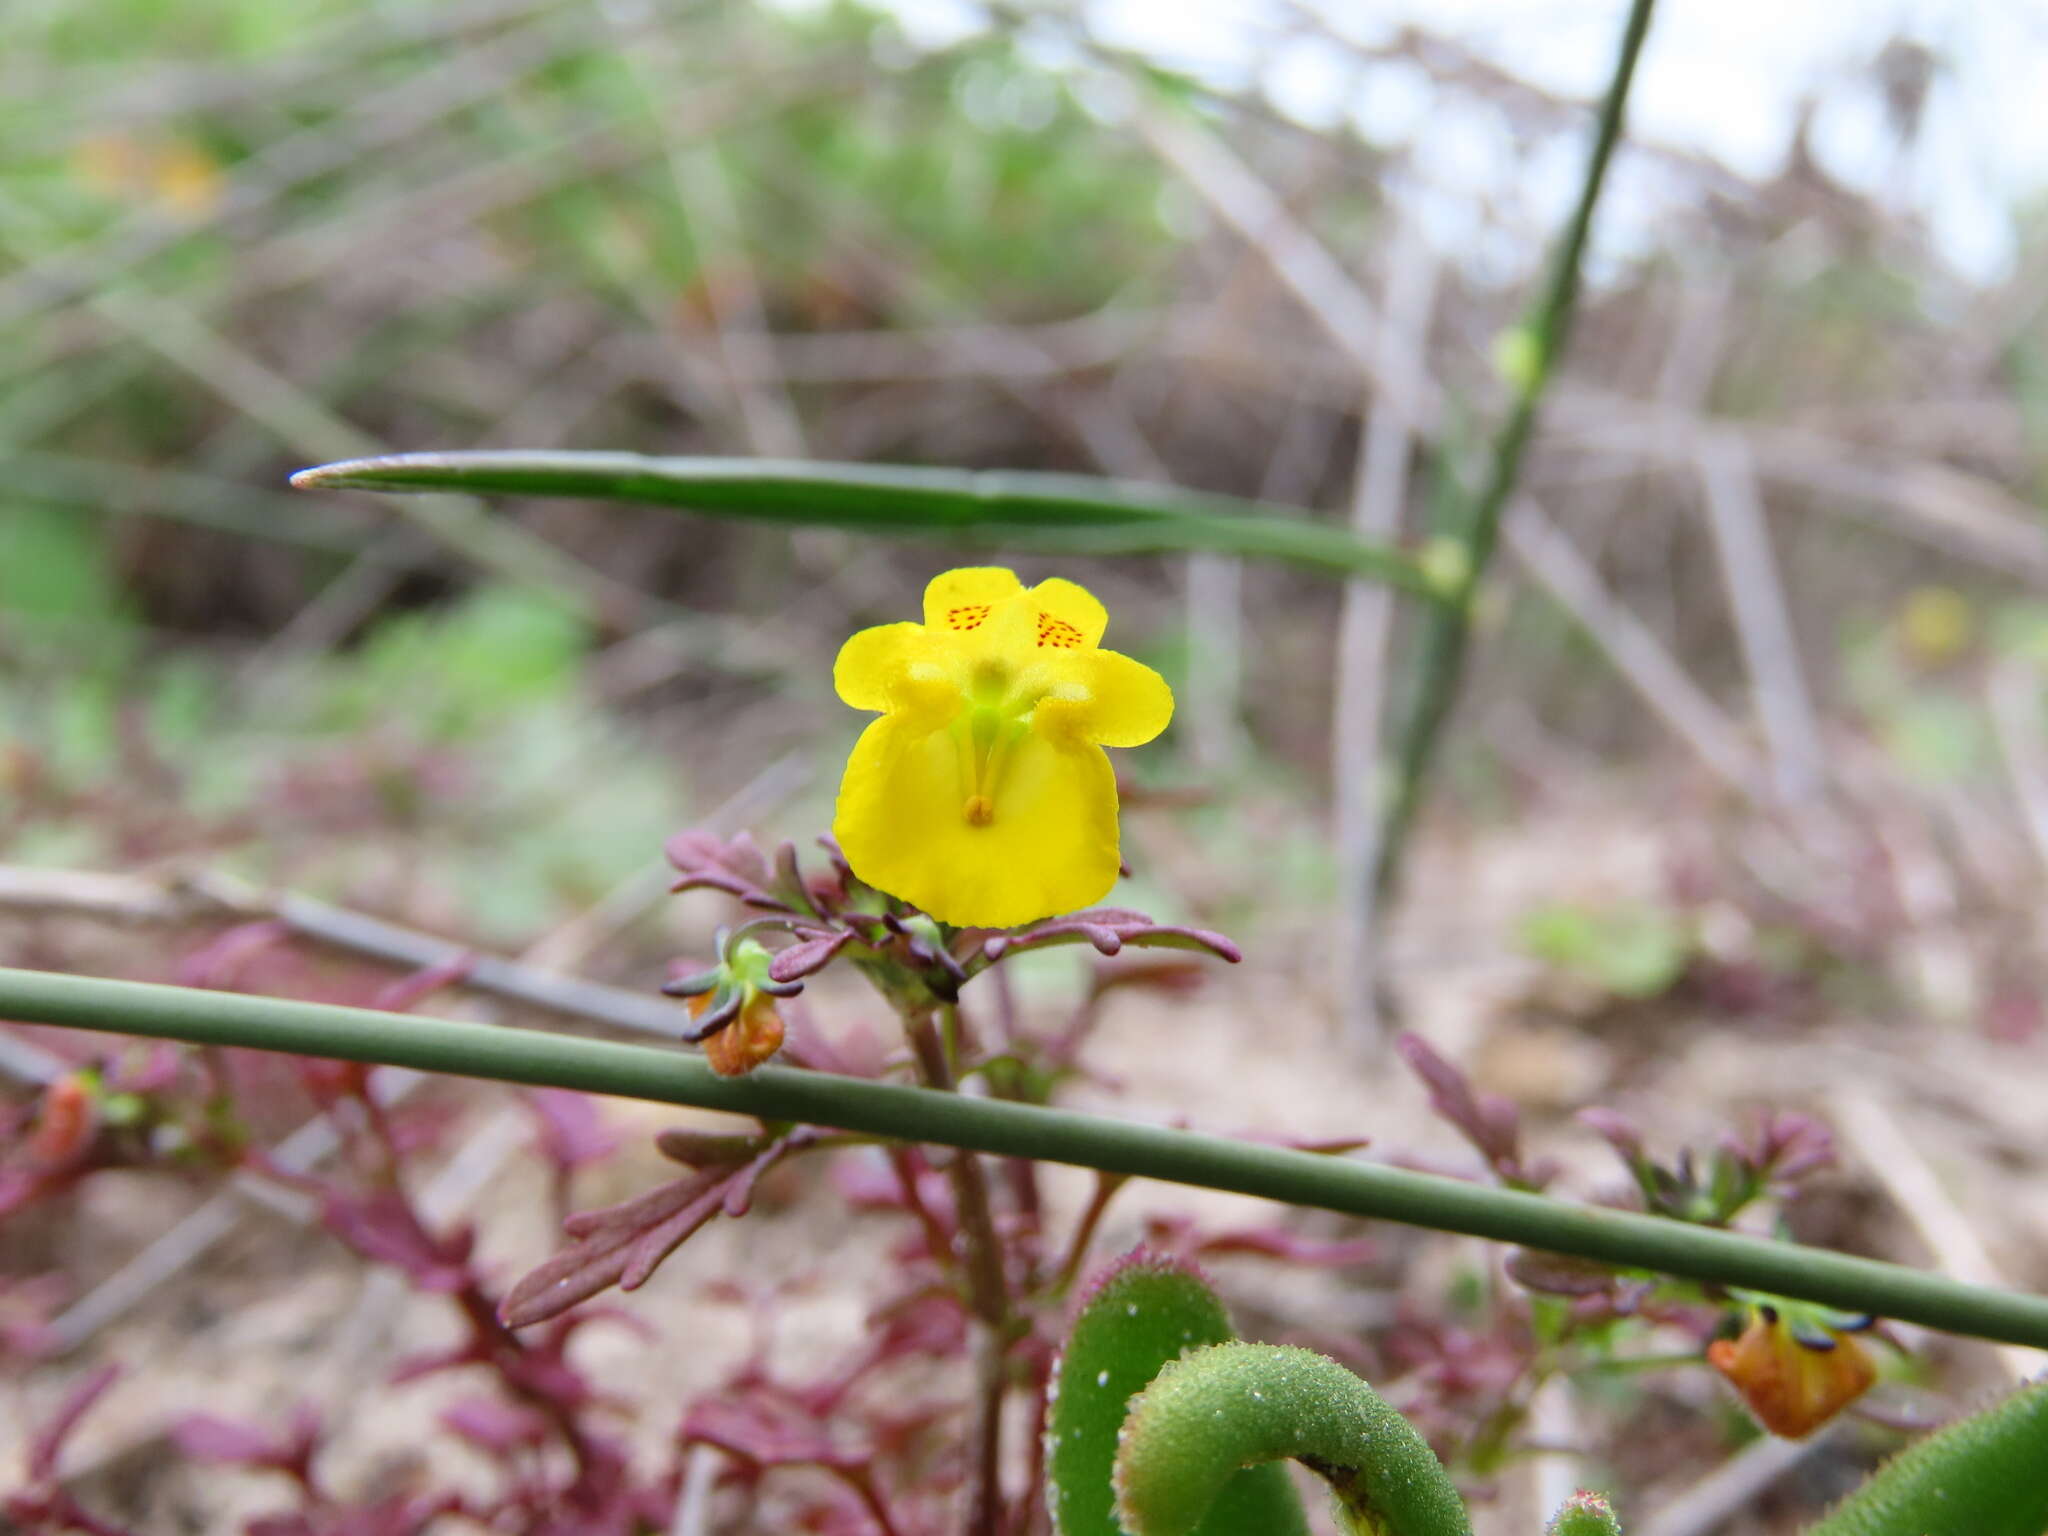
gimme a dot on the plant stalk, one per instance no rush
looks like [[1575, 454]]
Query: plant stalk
[[987, 1288], [1447, 626], [896, 1112]]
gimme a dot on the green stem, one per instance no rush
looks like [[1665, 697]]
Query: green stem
[[896, 1112], [988, 1289], [1447, 626]]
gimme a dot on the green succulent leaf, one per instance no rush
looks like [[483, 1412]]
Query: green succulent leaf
[[1140, 1317], [1238, 1405], [1584, 1514], [1986, 1475]]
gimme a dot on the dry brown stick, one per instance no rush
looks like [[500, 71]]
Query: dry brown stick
[[1297, 258], [1730, 1489], [1211, 701], [378, 121], [27, 1062], [1763, 621], [1959, 513], [2012, 698], [318, 70], [744, 344], [309, 428], [693, 1498], [1749, 569], [1891, 1154], [1056, 348], [1937, 504], [1379, 497], [1550, 557]]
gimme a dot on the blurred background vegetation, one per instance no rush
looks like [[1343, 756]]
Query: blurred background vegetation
[[1755, 708], [235, 239]]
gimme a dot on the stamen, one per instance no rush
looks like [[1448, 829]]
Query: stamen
[[984, 749]]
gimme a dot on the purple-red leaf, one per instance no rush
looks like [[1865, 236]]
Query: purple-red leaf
[[767, 1433], [606, 1246], [572, 1133], [495, 1425], [736, 866], [1489, 1122], [805, 957], [381, 1227], [206, 1438], [219, 965], [1110, 930], [1557, 1274]]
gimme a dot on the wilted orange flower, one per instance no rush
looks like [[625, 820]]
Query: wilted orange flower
[[1794, 1377], [748, 1040], [65, 1122]]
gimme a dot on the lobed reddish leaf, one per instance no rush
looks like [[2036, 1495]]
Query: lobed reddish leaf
[[736, 866], [769, 1433], [382, 1227], [203, 1437], [611, 1244], [806, 957], [495, 1425]]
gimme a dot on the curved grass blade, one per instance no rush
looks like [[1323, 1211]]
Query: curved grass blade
[[1009, 508]]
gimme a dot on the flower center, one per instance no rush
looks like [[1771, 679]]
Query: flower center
[[987, 732]]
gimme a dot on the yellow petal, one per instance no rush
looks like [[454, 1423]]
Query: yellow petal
[[1069, 617], [1107, 698], [875, 660], [963, 599], [1050, 844]]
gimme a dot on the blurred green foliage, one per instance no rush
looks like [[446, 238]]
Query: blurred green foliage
[[1634, 951]]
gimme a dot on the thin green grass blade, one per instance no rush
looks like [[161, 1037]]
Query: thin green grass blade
[[988, 509]]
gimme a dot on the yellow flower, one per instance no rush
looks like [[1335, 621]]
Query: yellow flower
[[983, 794]]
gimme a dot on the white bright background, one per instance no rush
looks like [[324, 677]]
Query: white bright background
[[1719, 76]]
